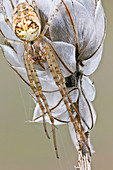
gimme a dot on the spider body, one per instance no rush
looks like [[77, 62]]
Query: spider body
[[27, 27]]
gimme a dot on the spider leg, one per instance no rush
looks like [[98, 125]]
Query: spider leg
[[56, 74], [39, 63], [7, 43], [54, 68], [7, 40], [5, 16], [35, 7], [27, 1], [50, 61], [11, 4], [65, 89], [13, 41], [49, 21], [34, 89], [69, 99], [34, 78]]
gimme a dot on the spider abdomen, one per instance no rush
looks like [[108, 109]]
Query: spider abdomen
[[26, 23]]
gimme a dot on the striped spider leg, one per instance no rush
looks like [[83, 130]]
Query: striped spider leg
[[35, 77], [59, 80], [27, 27], [32, 75]]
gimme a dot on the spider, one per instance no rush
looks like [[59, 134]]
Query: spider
[[38, 50]]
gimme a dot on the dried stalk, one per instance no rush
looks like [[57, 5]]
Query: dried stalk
[[84, 151], [84, 161]]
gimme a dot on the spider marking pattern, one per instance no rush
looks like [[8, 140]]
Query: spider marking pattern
[[37, 50]]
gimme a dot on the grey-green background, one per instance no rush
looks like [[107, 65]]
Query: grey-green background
[[24, 146]]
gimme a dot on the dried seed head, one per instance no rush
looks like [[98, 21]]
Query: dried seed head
[[26, 23]]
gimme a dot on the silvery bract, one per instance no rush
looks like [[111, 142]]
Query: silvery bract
[[89, 21]]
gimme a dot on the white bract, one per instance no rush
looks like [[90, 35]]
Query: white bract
[[89, 23]]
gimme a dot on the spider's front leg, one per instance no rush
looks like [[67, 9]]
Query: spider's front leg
[[49, 21], [52, 62], [37, 89], [54, 71], [27, 65], [36, 8], [59, 80]]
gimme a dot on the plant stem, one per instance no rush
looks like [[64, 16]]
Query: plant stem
[[84, 161], [84, 151]]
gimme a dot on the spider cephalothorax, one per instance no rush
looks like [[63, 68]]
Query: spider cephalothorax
[[26, 23]]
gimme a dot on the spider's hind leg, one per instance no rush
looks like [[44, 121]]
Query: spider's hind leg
[[33, 78], [59, 80], [29, 73]]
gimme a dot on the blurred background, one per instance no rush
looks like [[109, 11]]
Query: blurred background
[[25, 146]]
